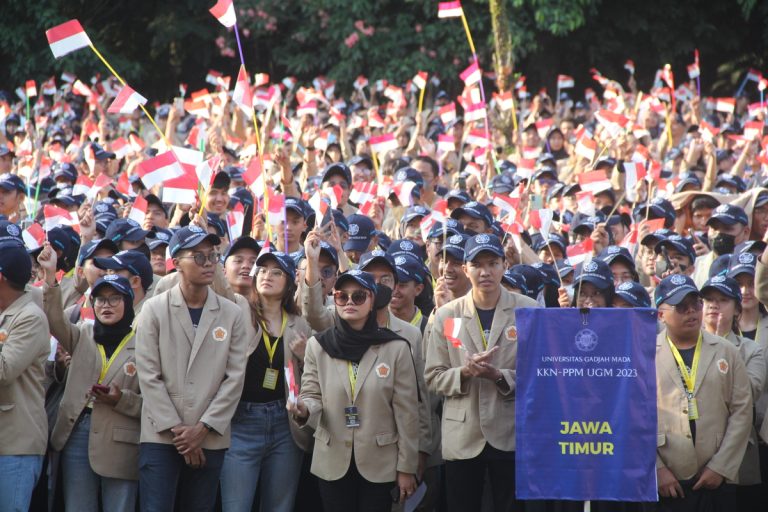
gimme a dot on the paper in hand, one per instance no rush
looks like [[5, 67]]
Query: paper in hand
[[290, 381]]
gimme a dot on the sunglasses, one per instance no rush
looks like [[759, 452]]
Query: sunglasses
[[358, 297]]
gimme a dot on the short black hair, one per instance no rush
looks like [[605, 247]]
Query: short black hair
[[702, 202], [428, 160]]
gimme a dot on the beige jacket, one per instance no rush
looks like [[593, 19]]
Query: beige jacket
[[475, 411], [189, 375], [724, 400], [24, 347], [113, 443]]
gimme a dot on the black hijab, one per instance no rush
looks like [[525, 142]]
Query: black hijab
[[110, 336], [343, 342]]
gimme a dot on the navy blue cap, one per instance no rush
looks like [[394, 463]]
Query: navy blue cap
[[234, 172], [606, 162], [533, 279], [729, 214], [564, 267], [407, 247], [548, 273], [475, 210], [244, 242], [133, 261], [340, 169], [673, 289], [103, 210], [743, 263], [680, 244], [408, 174], [284, 261], [688, 178], [454, 246], [614, 252], [241, 195], [58, 238], [378, 256], [361, 230], [502, 183], [295, 204], [162, 238], [757, 246], [458, 194], [414, 212], [634, 293], [126, 229], [546, 157], [515, 280], [552, 239], [10, 233], [409, 268], [543, 171], [99, 153], [330, 251], [67, 171], [364, 279], [725, 285], [10, 182], [340, 220], [452, 227], [217, 223], [114, 281], [728, 180], [189, 237], [719, 266], [87, 250], [581, 222], [762, 198], [15, 263], [596, 272], [656, 236], [482, 243]]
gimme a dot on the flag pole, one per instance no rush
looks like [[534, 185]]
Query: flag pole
[[421, 98], [27, 95]]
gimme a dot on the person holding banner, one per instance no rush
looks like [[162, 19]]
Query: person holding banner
[[470, 362], [704, 403], [266, 447]]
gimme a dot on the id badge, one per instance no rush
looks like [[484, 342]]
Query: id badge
[[351, 416], [270, 379], [693, 409]]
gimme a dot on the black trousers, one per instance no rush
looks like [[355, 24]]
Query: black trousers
[[464, 481], [702, 500], [353, 493]]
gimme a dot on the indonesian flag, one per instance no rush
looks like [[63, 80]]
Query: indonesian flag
[[471, 75], [138, 210], [586, 148], [253, 177], [564, 82], [206, 171], [360, 83], [708, 132], [579, 253], [594, 181], [474, 112], [505, 203], [30, 89], [242, 93], [630, 66], [127, 101], [446, 143], [755, 108], [420, 80], [693, 71], [102, 181], [290, 382], [67, 38], [543, 126], [289, 82], [633, 172], [212, 77], [585, 203], [762, 84], [477, 138], [235, 221], [668, 76], [448, 113], [426, 224], [260, 79], [383, 143], [307, 109], [525, 167], [726, 105], [276, 208], [137, 144], [451, 330], [224, 11], [33, 236], [120, 147], [542, 220], [753, 129], [197, 108], [68, 77], [156, 170], [81, 89], [363, 192], [49, 87], [505, 101], [614, 123], [754, 75], [403, 192], [449, 10], [55, 216], [321, 208], [181, 189], [333, 194], [630, 240]]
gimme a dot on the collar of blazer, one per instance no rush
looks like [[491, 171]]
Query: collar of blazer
[[195, 336], [17, 305], [667, 360], [502, 318]]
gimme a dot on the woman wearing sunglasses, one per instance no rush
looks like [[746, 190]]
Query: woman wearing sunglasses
[[266, 447], [359, 394], [98, 424]]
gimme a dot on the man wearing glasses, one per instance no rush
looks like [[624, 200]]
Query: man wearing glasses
[[190, 354], [704, 403]]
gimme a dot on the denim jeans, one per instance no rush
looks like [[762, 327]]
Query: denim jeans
[[18, 476], [82, 484], [163, 474], [262, 447]]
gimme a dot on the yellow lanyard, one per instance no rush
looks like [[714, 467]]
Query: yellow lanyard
[[105, 364], [688, 378], [417, 319], [482, 332], [270, 347], [352, 370]]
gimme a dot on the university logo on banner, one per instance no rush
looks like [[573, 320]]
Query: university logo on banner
[[586, 404]]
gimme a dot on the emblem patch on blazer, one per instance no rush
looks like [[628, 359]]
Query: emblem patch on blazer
[[129, 368], [722, 365], [3, 335], [219, 333], [511, 333], [382, 370]]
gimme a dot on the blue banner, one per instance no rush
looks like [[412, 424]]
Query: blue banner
[[586, 404]]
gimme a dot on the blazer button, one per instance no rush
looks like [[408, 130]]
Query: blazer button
[[688, 436], [685, 411], [348, 444]]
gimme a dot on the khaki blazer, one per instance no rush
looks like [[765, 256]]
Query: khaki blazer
[[761, 337], [386, 398], [724, 400], [434, 403], [475, 411], [24, 349], [313, 306], [189, 375], [113, 443]]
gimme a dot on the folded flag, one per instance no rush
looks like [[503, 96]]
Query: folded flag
[[321, 208], [67, 38], [449, 10], [451, 330], [126, 102], [164, 166], [138, 210], [565, 82], [471, 75], [55, 216], [224, 11]]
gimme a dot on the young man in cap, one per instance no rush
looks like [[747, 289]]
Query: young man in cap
[[295, 225], [339, 174], [157, 251], [12, 193], [704, 403], [410, 284], [435, 238], [470, 361], [363, 237], [190, 354], [156, 215], [475, 217], [128, 234], [24, 348], [728, 227], [452, 282], [238, 264]]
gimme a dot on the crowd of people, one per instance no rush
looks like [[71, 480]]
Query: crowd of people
[[328, 320]]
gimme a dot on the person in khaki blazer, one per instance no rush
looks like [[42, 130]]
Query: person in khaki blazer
[[719, 415], [97, 433], [360, 397], [473, 368], [190, 354], [24, 348]]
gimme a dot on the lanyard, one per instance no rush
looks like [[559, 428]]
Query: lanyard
[[688, 378], [270, 347], [105, 364], [352, 370], [482, 332], [417, 319]]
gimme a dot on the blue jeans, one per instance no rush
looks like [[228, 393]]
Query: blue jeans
[[262, 447], [82, 484], [18, 476], [163, 474]]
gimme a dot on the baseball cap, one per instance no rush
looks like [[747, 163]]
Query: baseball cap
[[67, 171], [729, 180], [330, 251], [153, 199], [564, 267], [244, 242], [614, 252], [295, 204], [596, 272], [552, 239], [360, 277], [377, 256], [757, 246], [361, 230], [133, 261], [475, 210], [58, 238], [408, 174], [10, 233], [408, 268], [162, 237], [459, 195], [454, 246], [284, 261], [480, 243], [126, 229], [99, 153], [515, 280], [634, 293], [502, 183], [118, 283], [414, 212], [15, 263], [729, 214], [451, 227], [743, 263], [338, 169], [10, 182], [673, 289], [680, 244], [656, 236], [87, 250], [725, 285], [532, 279], [189, 237]]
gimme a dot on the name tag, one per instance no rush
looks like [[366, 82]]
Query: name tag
[[270, 379], [352, 417]]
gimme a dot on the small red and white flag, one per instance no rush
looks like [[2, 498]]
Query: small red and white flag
[[762, 84], [181, 189], [102, 181], [67, 38], [505, 203], [49, 87], [708, 132], [253, 177], [594, 181], [477, 138], [276, 208], [451, 330], [450, 10], [403, 191], [755, 108], [579, 253], [633, 172], [164, 166], [383, 143], [260, 79], [565, 82], [30, 89], [137, 144], [138, 210], [363, 192], [543, 126], [445, 143], [630, 66], [55, 216], [120, 147], [471, 75], [307, 109], [586, 148], [754, 75], [753, 129], [321, 207], [213, 77], [33, 236], [448, 113], [81, 89], [197, 108], [290, 382], [334, 195], [474, 112], [224, 11], [585, 203], [242, 94], [420, 80], [68, 77], [726, 105], [235, 222], [206, 171], [693, 71], [505, 101], [127, 101], [525, 167], [360, 83]]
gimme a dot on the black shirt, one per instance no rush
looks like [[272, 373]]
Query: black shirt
[[687, 355], [749, 334], [486, 320], [256, 368], [195, 314]]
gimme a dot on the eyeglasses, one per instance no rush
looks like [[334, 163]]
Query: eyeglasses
[[358, 297], [327, 272], [272, 272], [112, 300], [201, 259]]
